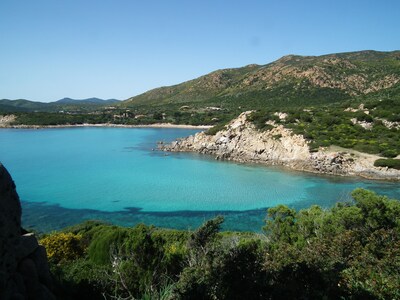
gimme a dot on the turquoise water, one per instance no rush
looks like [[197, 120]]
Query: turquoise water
[[67, 175]]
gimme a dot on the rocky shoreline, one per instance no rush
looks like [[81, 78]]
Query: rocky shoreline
[[240, 141]]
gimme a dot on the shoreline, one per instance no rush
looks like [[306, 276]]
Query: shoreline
[[155, 125], [298, 167]]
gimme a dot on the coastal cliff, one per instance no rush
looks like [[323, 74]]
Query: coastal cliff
[[241, 141]]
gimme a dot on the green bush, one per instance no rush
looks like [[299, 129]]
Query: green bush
[[62, 247], [390, 163], [105, 241], [213, 130], [389, 153]]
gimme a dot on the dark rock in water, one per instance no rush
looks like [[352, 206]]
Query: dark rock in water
[[24, 270]]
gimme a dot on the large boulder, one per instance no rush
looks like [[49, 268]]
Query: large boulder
[[24, 270]]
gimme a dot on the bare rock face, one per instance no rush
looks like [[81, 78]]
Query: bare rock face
[[24, 270], [240, 141], [6, 120]]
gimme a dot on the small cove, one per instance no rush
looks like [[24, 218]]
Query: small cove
[[67, 175]]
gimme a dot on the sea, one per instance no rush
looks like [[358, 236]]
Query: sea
[[65, 176]]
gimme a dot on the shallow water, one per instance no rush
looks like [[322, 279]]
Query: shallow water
[[67, 175]]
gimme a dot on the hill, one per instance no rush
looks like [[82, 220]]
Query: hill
[[22, 105], [290, 81], [86, 101], [65, 104], [320, 94]]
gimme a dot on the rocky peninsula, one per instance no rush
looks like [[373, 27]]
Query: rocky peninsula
[[240, 141]]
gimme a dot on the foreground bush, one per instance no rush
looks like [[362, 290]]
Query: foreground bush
[[350, 251]]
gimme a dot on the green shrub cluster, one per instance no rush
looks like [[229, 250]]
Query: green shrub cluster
[[62, 246], [213, 130], [390, 163], [351, 251]]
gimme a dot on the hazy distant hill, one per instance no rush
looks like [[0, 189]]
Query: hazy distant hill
[[291, 80], [86, 101], [22, 105]]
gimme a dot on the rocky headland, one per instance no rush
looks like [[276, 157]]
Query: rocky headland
[[240, 141]]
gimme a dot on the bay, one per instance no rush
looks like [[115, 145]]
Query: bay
[[67, 175]]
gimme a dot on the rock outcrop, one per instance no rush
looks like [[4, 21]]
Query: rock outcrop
[[6, 120], [24, 270], [241, 141]]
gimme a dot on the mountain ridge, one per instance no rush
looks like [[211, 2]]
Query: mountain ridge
[[327, 78], [92, 100]]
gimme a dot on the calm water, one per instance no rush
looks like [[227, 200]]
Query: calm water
[[64, 176]]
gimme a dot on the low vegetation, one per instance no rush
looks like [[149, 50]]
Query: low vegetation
[[389, 163], [350, 251], [139, 116]]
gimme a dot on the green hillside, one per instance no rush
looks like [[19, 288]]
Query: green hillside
[[290, 81], [22, 105]]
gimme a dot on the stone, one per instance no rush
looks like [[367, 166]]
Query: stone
[[24, 270], [27, 245], [27, 269], [10, 226], [42, 266]]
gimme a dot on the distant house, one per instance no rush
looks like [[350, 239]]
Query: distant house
[[213, 108]]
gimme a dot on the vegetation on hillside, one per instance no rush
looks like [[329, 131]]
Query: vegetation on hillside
[[350, 251], [291, 80], [372, 127]]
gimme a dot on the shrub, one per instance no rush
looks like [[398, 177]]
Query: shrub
[[80, 279], [213, 130], [104, 241], [361, 116], [389, 153], [390, 163], [62, 247]]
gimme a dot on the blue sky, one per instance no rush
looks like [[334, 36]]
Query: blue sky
[[50, 49]]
